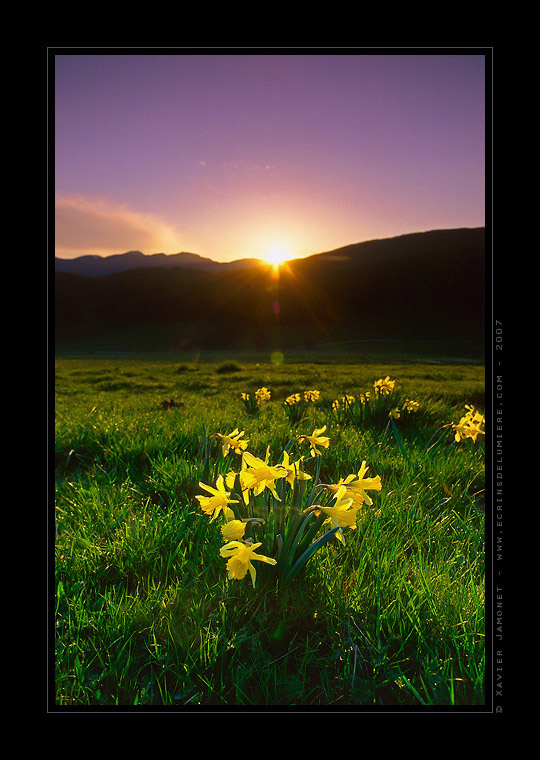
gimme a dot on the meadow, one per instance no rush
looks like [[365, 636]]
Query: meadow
[[389, 611]]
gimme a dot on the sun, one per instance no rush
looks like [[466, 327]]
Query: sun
[[276, 255]]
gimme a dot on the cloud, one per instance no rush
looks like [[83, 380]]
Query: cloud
[[95, 225]]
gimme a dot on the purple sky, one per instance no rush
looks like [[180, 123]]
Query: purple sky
[[231, 156]]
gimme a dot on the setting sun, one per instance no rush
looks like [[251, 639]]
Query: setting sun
[[277, 255]]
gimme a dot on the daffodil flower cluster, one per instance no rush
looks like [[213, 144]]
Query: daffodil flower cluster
[[253, 401], [373, 406], [384, 387], [294, 398], [411, 406], [470, 425], [343, 402], [268, 514], [263, 394], [342, 408], [296, 405]]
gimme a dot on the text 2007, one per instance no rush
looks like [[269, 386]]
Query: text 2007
[[498, 336]]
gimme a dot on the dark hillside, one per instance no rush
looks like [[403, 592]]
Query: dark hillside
[[425, 286], [414, 285]]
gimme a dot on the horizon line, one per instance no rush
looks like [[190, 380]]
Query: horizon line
[[68, 257]]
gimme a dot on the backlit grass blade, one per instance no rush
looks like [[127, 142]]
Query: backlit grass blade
[[439, 439], [398, 440], [204, 453]]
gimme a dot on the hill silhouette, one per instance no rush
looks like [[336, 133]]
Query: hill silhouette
[[428, 285], [99, 266]]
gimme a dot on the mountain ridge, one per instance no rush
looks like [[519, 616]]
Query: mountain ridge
[[93, 265], [99, 266]]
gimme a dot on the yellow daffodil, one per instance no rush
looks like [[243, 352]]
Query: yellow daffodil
[[240, 559], [474, 416], [341, 515], [232, 442], [213, 505], [357, 485], [411, 406], [474, 431], [316, 439], [233, 530], [257, 475], [394, 414], [384, 386], [311, 395], [293, 469]]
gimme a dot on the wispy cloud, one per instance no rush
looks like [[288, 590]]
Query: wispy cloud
[[96, 225]]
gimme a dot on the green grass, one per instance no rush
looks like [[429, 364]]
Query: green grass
[[144, 612]]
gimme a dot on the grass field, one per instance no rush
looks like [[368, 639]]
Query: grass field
[[145, 613]]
